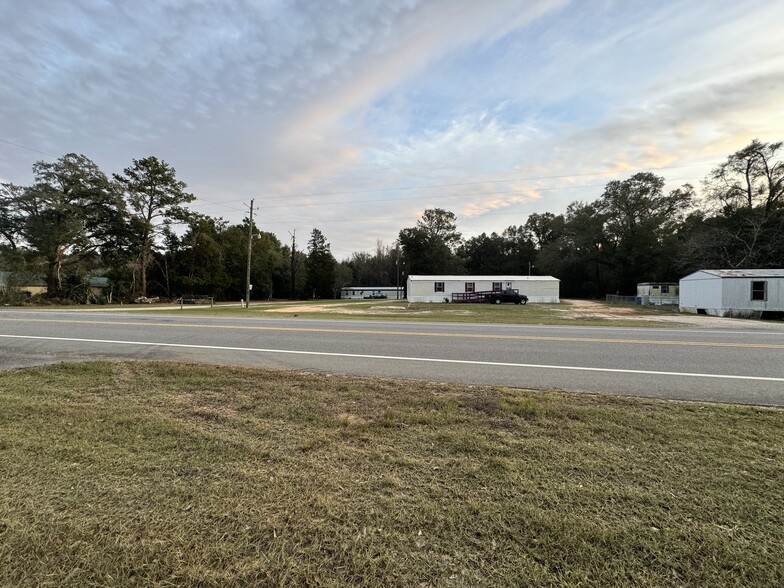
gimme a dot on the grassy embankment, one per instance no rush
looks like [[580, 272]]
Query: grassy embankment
[[392, 310], [119, 474]]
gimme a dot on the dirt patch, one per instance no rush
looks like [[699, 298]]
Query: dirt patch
[[305, 308], [347, 309], [593, 309], [568, 309]]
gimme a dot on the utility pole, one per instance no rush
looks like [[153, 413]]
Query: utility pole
[[397, 273], [250, 248]]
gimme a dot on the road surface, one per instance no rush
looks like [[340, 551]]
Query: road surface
[[721, 365]]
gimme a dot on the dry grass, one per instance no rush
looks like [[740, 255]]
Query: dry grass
[[574, 313], [150, 474]]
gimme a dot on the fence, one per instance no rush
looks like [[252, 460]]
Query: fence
[[615, 299]]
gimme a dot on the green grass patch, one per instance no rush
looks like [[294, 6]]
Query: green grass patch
[[400, 310], [162, 474]]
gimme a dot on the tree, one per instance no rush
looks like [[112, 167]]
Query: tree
[[294, 267], [321, 266], [155, 198], [581, 255], [519, 250], [362, 271], [9, 218], [747, 232], [543, 228], [638, 219], [440, 224], [749, 178], [343, 277], [268, 272], [484, 254], [68, 214], [743, 238], [429, 247], [374, 270], [199, 264], [296, 264]]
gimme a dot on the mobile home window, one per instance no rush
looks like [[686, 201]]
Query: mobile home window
[[439, 286], [665, 289], [469, 286], [759, 290], [497, 287]]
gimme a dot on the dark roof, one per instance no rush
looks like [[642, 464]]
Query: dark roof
[[98, 282]]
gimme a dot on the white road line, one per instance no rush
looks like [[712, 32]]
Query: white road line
[[401, 358]]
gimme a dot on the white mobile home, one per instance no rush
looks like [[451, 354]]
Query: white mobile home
[[441, 288], [657, 293], [738, 293], [371, 292]]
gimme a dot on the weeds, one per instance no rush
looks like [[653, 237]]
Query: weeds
[[168, 474]]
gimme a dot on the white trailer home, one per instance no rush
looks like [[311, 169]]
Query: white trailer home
[[657, 293], [371, 292], [441, 288], [737, 293]]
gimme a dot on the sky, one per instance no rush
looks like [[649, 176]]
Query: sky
[[354, 116]]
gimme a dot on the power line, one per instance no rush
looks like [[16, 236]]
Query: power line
[[438, 196], [430, 196], [488, 181], [25, 147], [360, 220]]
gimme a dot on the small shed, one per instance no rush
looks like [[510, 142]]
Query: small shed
[[371, 292], [97, 284], [657, 293], [441, 288], [743, 293]]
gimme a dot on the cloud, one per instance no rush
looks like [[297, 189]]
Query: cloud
[[305, 105], [494, 203]]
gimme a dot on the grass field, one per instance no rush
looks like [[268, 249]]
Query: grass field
[[152, 474], [566, 313]]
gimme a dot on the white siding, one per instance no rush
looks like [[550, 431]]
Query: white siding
[[730, 294], [654, 293], [699, 291], [737, 294], [365, 292], [537, 288]]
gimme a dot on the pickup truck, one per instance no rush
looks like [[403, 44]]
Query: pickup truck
[[494, 296], [508, 295]]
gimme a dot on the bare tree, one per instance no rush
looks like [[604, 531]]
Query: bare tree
[[749, 178]]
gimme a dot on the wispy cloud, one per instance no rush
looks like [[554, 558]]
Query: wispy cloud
[[353, 116]]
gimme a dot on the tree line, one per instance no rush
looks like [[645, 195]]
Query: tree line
[[74, 221], [634, 232]]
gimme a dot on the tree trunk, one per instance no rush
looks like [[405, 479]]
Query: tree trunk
[[53, 281], [143, 258]]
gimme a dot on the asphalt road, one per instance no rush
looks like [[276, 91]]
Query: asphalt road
[[722, 365]]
